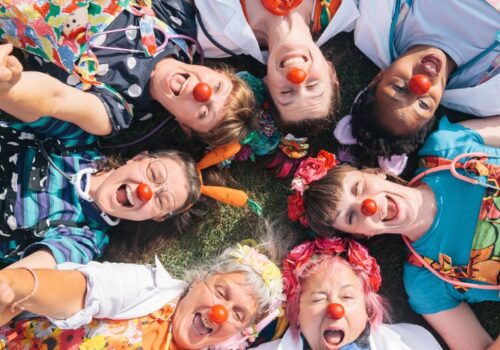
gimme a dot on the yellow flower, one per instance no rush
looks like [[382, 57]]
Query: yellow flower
[[95, 343]]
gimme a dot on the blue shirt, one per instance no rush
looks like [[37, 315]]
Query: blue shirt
[[34, 192], [458, 205]]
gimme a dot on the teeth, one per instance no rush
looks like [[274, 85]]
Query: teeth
[[385, 209], [205, 322], [293, 61], [184, 83], [130, 195]]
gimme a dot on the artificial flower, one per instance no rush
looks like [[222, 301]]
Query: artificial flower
[[295, 206], [330, 159], [311, 169]]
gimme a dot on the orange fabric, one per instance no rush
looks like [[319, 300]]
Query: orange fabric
[[218, 155], [333, 7], [154, 334], [244, 8], [226, 195]]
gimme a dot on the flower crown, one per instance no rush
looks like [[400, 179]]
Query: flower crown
[[310, 169], [271, 275], [353, 252]]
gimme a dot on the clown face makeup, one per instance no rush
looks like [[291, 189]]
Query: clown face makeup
[[340, 287], [173, 84], [193, 325]]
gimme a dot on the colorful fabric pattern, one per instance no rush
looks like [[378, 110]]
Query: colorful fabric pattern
[[149, 333], [33, 193]]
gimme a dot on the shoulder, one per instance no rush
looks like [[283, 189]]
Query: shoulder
[[448, 138], [403, 336]]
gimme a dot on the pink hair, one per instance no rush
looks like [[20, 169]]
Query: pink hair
[[376, 306]]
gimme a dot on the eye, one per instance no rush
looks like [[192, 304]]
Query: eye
[[312, 85], [347, 297], [218, 86], [356, 189], [350, 217], [399, 89], [286, 92], [221, 292], [238, 315], [423, 105]]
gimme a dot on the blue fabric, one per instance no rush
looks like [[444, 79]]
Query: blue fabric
[[458, 206], [34, 192]]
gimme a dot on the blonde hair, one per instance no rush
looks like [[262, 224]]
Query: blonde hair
[[239, 114]]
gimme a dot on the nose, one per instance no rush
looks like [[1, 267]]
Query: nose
[[420, 84], [202, 92], [296, 76], [369, 207], [144, 192], [217, 314], [335, 311]]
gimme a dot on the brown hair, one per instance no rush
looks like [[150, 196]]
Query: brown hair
[[309, 127], [239, 117], [322, 197]]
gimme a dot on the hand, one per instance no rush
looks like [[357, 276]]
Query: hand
[[10, 68], [6, 298]]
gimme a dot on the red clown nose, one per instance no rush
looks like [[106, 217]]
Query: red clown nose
[[335, 311], [368, 207], [217, 314], [296, 76], [144, 192], [419, 84], [202, 92]]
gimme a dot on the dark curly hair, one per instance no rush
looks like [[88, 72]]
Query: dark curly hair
[[378, 140]]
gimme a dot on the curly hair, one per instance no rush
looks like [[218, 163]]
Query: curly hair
[[377, 140], [239, 115]]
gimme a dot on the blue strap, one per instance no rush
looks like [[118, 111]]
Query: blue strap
[[478, 57], [394, 23]]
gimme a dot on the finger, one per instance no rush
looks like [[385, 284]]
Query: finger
[[5, 50], [5, 74], [14, 65]]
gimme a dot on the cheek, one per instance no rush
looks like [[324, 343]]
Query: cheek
[[356, 315]]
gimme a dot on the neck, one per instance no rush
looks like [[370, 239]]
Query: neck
[[155, 79], [96, 180], [425, 201], [270, 29]]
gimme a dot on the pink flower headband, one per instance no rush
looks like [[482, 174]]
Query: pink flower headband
[[310, 169], [353, 252], [395, 164]]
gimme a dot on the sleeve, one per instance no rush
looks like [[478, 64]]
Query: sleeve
[[426, 293], [452, 139], [72, 244], [119, 116], [178, 14], [412, 336], [121, 291]]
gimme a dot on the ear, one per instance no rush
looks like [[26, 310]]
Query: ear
[[377, 78], [333, 73], [264, 79]]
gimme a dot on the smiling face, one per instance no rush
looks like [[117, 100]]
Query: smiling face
[[116, 192], [395, 205], [172, 84], [400, 110], [310, 99], [328, 285], [191, 325]]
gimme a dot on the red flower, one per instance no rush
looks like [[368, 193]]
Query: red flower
[[334, 245], [359, 257], [311, 169], [330, 159], [295, 206], [290, 282], [72, 338], [301, 253]]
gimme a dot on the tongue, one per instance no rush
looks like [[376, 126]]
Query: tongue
[[333, 337], [391, 209], [200, 327], [176, 83], [121, 195]]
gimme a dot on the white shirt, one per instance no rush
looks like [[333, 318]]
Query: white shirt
[[225, 21], [121, 291], [401, 336], [371, 35]]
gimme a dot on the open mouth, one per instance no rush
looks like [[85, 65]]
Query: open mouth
[[392, 209], [178, 83], [432, 65], [124, 196], [293, 60], [333, 337], [200, 325]]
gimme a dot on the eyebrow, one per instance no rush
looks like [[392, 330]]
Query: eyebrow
[[312, 97]]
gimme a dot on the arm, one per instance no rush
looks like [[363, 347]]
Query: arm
[[30, 95], [488, 128], [460, 328], [53, 287]]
